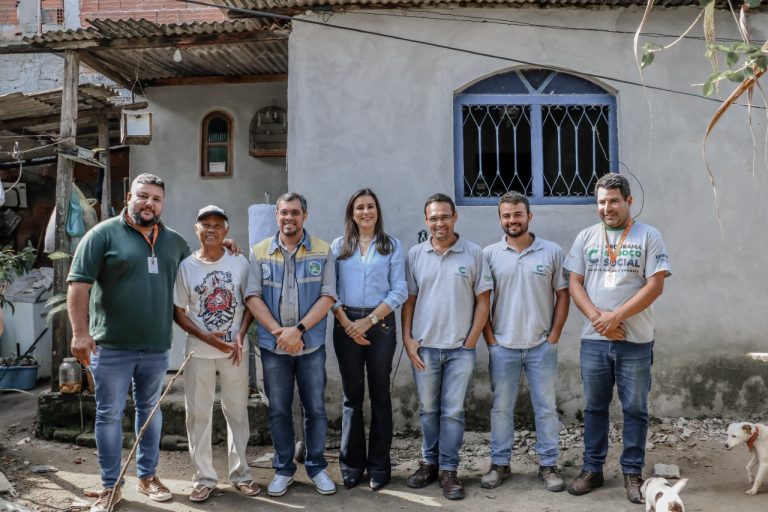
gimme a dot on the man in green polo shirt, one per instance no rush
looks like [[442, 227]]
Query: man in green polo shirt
[[127, 265]]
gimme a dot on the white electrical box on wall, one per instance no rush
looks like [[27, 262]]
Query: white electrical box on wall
[[17, 196]]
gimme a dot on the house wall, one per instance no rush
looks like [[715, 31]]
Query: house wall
[[371, 111], [174, 154]]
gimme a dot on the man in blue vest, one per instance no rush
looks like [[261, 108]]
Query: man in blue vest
[[291, 288]]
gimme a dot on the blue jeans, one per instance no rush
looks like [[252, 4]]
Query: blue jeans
[[114, 371], [628, 366], [281, 371], [442, 388], [540, 366]]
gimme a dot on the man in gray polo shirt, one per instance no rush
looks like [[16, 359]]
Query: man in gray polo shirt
[[617, 270], [530, 306], [447, 307]]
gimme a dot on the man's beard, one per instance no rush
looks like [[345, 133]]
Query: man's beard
[[510, 234], [139, 221]]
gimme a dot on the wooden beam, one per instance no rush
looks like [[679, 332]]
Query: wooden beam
[[106, 184], [68, 132], [82, 116], [105, 69], [208, 80]]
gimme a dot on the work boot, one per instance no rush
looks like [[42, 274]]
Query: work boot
[[422, 477], [585, 482], [632, 483], [552, 478], [495, 476], [453, 489]]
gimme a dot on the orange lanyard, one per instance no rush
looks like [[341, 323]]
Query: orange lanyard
[[614, 254], [151, 243]]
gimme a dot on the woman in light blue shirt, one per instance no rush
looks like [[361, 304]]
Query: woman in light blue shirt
[[370, 278]]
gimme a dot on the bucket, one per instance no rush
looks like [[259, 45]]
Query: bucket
[[18, 377]]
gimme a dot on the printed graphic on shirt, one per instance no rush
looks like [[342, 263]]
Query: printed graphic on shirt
[[629, 259], [266, 272], [315, 268], [217, 302]]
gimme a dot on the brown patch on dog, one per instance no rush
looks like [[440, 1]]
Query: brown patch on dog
[[658, 496], [676, 507]]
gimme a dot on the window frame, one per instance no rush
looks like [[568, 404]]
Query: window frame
[[535, 100], [205, 144]]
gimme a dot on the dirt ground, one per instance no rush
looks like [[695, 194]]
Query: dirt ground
[[717, 476]]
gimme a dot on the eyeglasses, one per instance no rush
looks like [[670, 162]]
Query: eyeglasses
[[440, 218]]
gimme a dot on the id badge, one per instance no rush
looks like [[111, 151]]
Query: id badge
[[610, 280], [152, 264]]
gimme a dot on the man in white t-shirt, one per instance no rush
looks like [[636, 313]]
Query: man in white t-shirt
[[617, 270], [209, 306]]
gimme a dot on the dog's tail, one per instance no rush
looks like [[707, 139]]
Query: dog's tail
[[679, 485]]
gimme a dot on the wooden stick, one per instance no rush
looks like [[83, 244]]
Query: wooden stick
[[143, 429]]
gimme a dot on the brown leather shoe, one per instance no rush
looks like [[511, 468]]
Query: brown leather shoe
[[453, 489], [495, 476], [552, 479], [422, 477], [632, 483], [154, 488], [585, 482]]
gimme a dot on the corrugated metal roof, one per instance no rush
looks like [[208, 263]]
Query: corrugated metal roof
[[124, 50], [278, 5], [18, 105], [105, 29]]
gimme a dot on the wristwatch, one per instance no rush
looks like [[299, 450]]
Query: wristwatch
[[301, 328], [374, 319]]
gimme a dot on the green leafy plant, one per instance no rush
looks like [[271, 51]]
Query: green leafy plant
[[12, 264]]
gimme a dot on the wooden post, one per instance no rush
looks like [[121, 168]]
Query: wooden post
[[68, 132], [106, 185]]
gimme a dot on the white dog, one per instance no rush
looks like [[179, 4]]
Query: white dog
[[755, 436], [661, 496]]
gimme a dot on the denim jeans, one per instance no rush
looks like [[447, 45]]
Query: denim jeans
[[442, 388], [281, 371], [114, 371], [506, 366], [355, 361], [628, 366]]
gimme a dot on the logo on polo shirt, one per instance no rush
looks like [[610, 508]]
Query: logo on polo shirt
[[540, 271], [462, 271], [315, 268], [265, 271]]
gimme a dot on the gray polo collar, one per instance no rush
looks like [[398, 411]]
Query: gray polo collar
[[536, 245], [458, 246]]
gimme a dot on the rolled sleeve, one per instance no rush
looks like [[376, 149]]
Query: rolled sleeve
[[484, 281], [575, 260], [413, 287], [657, 259], [255, 284], [560, 275], [88, 259], [181, 290], [328, 284], [398, 289]]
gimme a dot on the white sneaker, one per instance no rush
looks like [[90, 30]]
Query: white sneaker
[[323, 483], [279, 485]]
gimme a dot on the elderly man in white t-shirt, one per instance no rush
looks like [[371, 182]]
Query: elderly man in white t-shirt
[[209, 306], [617, 270]]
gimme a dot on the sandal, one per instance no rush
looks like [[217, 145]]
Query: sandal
[[200, 493], [249, 488]]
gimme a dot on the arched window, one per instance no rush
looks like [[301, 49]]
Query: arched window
[[540, 132], [216, 154]]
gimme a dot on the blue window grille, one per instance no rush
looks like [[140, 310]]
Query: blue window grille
[[543, 133]]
